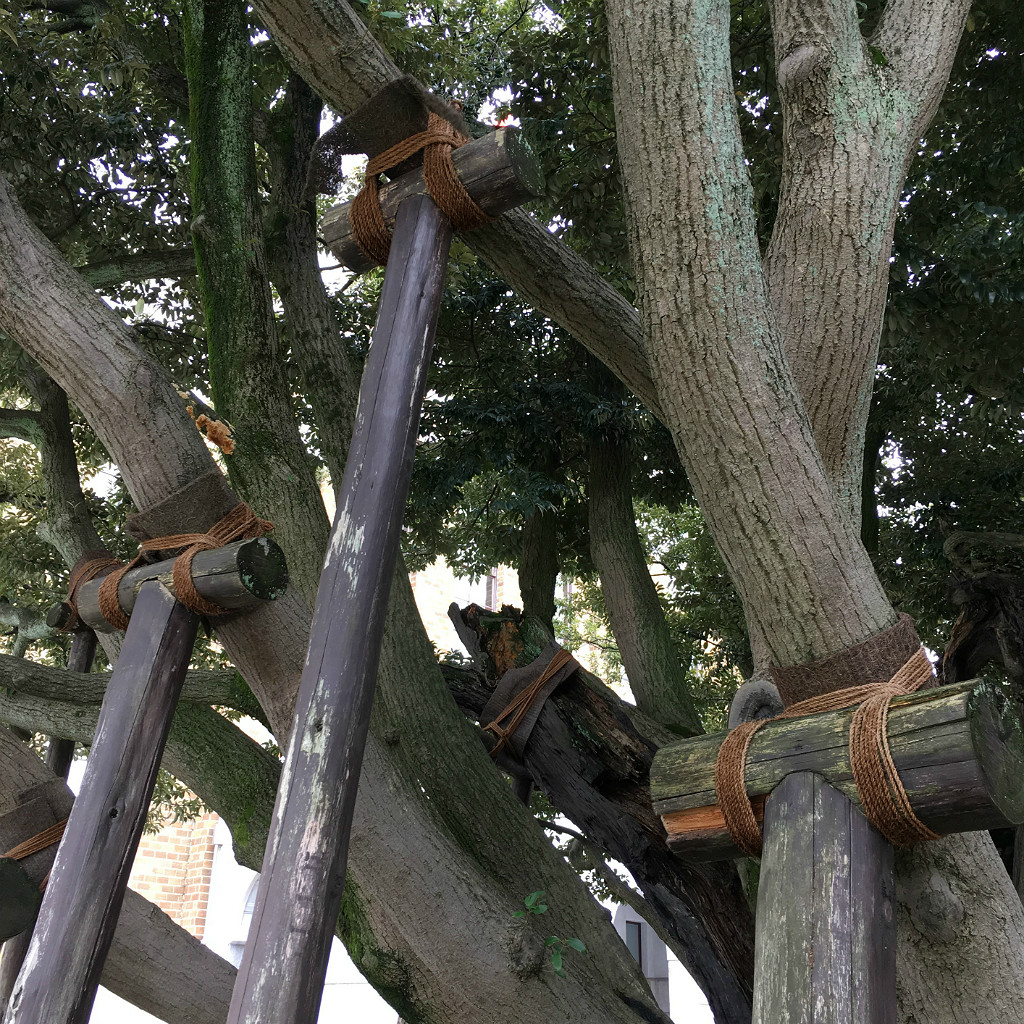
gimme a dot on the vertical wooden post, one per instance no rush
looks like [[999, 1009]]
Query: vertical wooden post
[[58, 981], [282, 972], [826, 924]]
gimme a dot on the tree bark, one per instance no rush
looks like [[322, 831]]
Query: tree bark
[[538, 566], [656, 675], [269, 464]]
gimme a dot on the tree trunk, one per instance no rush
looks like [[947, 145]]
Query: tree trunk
[[538, 566], [656, 675]]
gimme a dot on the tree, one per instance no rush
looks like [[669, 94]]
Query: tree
[[754, 341]]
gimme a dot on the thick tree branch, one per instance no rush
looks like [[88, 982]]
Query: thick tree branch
[[540, 268], [656, 675], [919, 39], [223, 687], [144, 265], [21, 424], [590, 754]]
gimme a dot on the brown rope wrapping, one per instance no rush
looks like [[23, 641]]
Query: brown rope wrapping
[[519, 706], [40, 841], [879, 787], [88, 567], [241, 523], [437, 142]]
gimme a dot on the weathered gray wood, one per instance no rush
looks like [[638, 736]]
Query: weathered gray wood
[[236, 576], [499, 171], [58, 981], [959, 751], [282, 972], [59, 755], [826, 927]]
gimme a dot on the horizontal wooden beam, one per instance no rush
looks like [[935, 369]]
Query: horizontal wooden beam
[[959, 751], [235, 577], [499, 171]]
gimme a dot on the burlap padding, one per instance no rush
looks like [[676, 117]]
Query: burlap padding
[[876, 660], [514, 682], [38, 809], [193, 508]]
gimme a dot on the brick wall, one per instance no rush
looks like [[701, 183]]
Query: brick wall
[[173, 868]]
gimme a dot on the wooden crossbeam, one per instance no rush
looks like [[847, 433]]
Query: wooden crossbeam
[[825, 926]]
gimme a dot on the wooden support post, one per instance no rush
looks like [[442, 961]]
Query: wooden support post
[[235, 577], [58, 981], [282, 972], [826, 924], [959, 751], [59, 755]]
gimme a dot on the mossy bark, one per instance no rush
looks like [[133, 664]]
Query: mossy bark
[[248, 375], [656, 674]]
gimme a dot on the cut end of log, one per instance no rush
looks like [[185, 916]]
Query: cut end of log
[[262, 569]]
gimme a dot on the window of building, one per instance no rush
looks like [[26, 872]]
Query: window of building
[[634, 942]]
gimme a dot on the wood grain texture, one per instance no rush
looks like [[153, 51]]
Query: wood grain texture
[[282, 972], [58, 981], [826, 926], [236, 576], [959, 751], [499, 171]]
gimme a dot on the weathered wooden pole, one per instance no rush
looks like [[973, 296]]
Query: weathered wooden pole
[[59, 755], [825, 932], [58, 981], [282, 972], [826, 924]]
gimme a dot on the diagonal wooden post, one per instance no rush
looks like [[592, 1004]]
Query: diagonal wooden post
[[61, 972], [59, 754], [282, 972], [825, 942]]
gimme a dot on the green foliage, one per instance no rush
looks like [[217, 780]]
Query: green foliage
[[558, 947]]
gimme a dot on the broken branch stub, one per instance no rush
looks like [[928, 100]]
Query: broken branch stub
[[499, 171]]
